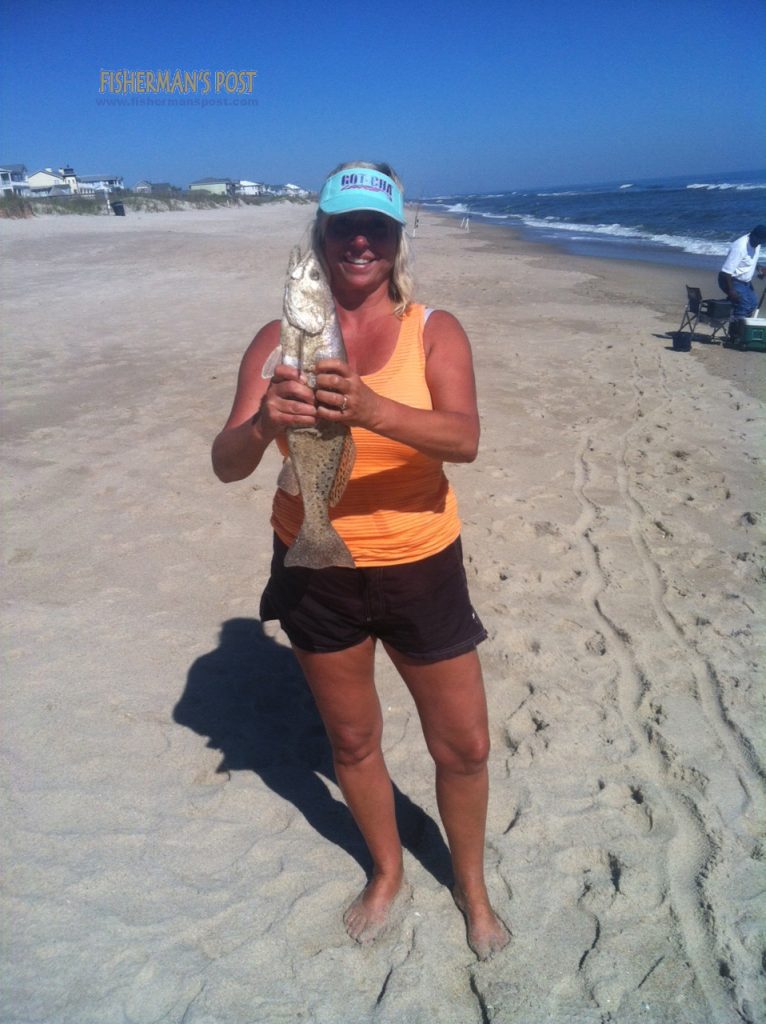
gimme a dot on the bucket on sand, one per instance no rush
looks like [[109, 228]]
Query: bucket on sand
[[682, 342]]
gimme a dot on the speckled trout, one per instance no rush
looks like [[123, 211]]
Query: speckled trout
[[321, 457]]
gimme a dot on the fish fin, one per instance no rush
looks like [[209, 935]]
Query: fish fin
[[319, 553], [291, 342], [287, 480], [272, 363], [343, 475]]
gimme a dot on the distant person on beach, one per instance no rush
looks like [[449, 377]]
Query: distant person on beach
[[736, 277], [407, 392]]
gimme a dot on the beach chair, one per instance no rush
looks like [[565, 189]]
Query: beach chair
[[715, 313]]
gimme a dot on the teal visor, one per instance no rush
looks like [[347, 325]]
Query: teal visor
[[361, 188]]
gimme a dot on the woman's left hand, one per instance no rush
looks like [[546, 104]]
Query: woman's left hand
[[343, 396]]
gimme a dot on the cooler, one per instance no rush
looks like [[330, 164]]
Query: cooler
[[748, 333]]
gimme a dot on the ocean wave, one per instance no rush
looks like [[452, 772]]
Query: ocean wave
[[700, 246], [551, 223], [658, 219], [463, 208], [725, 186]]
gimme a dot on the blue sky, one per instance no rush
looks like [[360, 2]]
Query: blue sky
[[457, 96]]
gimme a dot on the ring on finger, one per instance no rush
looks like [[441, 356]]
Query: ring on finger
[[344, 403]]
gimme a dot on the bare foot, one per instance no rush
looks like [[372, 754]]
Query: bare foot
[[485, 932], [377, 907]]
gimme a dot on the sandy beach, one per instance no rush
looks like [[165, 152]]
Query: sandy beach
[[175, 847]]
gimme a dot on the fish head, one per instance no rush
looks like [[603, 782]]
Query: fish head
[[308, 301]]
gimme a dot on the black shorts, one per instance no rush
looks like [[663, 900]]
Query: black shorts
[[421, 609]]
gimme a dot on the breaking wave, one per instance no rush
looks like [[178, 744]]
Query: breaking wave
[[696, 216]]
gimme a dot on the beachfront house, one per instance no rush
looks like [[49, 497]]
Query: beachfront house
[[286, 190], [148, 187], [13, 180], [65, 181], [218, 186], [88, 183], [41, 182], [70, 179], [258, 188], [251, 188]]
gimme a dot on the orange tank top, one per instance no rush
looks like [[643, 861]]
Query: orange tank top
[[398, 506]]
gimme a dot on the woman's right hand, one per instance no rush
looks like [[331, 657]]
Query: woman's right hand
[[262, 409], [288, 402]]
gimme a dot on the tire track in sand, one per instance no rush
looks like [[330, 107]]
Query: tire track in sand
[[733, 745], [737, 746], [692, 849]]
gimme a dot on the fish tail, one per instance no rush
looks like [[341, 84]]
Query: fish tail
[[319, 550]]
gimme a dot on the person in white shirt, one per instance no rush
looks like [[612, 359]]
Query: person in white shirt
[[738, 270]]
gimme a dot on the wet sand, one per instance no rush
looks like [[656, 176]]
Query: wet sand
[[175, 846]]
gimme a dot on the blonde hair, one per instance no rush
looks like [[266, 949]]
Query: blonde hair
[[402, 283]]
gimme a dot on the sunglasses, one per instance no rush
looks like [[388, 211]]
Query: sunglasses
[[372, 226]]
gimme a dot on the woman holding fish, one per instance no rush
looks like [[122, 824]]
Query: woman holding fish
[[366, 394]]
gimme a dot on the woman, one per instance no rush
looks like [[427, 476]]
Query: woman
[[407, 392]]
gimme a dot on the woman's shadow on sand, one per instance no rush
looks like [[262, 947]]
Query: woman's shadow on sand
[[249, 698]]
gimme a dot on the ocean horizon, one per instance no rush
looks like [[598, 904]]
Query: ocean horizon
[[686, 220]]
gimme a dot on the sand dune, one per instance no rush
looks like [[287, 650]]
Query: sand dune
[[175, 845]]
